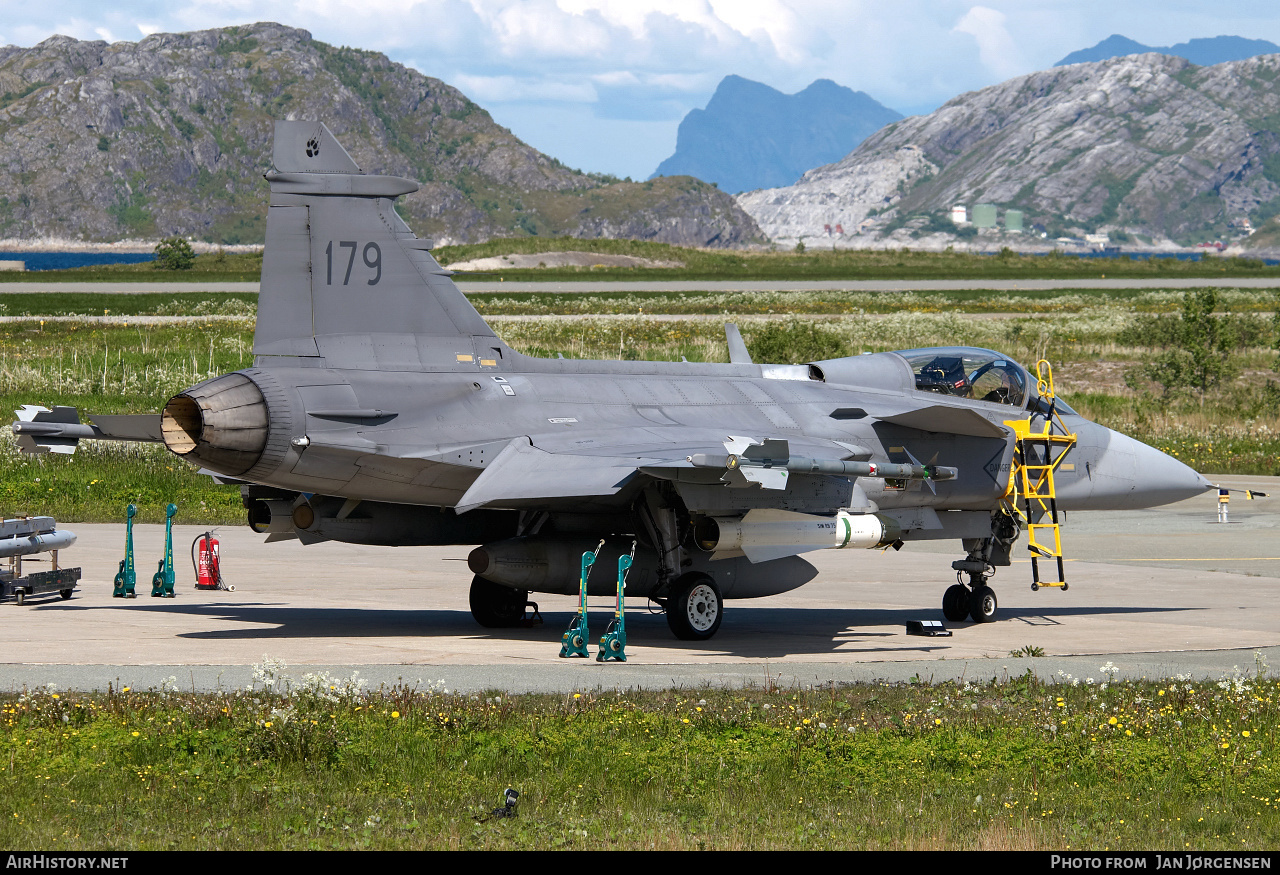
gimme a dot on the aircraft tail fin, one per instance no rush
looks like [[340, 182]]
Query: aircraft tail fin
[[344, 278]]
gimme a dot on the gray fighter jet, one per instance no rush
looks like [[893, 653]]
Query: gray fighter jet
[[382, 409]]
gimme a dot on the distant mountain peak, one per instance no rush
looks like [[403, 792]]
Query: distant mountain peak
[[751, 135], [1202, 51], [1149, 146]]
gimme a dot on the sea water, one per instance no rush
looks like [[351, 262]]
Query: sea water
[[62, 260]]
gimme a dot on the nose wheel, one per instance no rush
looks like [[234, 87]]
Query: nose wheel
[[955, 603], [979, 604], [982, 604]]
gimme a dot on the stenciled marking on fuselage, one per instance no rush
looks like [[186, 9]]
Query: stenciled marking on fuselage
[[375, 264]]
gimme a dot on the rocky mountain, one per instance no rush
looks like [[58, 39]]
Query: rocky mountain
[[1204, 51], [1146, 146], [753, 136], [171, 135]]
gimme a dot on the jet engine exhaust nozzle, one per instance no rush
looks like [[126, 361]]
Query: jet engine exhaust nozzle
[[221, 423]]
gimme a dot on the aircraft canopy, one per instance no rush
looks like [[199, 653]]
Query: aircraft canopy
[[968, 372]]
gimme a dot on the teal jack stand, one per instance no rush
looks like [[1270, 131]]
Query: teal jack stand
[[162, 583], [127, 578], [574, 640], [613, 643]]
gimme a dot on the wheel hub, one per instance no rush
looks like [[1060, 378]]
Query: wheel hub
[[702, 607]]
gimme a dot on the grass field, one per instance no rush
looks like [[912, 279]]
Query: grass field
[[829, 264], [994, 764], [118, 367], [717, 264]]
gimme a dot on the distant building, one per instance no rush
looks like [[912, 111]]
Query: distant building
[[1097, 239], [984, 215], [1013, 221], [960, 215]]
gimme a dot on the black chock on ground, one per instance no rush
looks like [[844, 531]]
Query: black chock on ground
[[928, 628]]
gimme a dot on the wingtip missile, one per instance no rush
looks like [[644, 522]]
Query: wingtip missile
[[59, 430]]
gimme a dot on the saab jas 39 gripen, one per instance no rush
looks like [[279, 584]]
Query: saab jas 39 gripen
[[382, 409]]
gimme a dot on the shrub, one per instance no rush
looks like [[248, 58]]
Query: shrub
[[174, 253], [794, 342]]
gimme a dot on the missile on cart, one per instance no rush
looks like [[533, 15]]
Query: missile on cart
[[23, 537]]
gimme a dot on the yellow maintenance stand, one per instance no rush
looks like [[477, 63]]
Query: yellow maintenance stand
[[1036, 456]]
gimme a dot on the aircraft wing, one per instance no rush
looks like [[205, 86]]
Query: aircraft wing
[[571, 465], [523, 472]]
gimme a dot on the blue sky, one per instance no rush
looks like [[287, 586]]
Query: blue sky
[[602, 84]]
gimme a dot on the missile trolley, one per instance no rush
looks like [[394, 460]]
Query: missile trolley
[[29, 536]]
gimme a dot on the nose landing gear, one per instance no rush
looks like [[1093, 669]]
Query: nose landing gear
[[974, 598]]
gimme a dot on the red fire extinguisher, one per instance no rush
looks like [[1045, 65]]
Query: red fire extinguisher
[[206, 562]]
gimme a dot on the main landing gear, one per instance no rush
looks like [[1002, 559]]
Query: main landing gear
[[694, 608]]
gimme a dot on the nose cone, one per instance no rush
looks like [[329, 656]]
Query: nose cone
[[1128, 474]]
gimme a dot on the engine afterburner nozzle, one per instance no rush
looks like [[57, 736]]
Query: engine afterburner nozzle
[[221, 423]]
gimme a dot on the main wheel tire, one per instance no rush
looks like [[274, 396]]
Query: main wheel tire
[[495, 606], [955, 603], [65, 593], [695, 608], [982, 604]]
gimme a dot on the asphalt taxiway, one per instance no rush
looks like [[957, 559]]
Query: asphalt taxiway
[[1158, 592]]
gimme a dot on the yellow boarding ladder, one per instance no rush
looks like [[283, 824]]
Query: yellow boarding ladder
[[1032, 478]]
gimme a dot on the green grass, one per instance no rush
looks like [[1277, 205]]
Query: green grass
[[715, 265], [129, 304], [1011, 764], [819, 264], [854, 303], [812, 303]]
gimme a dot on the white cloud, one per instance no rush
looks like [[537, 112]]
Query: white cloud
[[148, 29], [541, 28], [997, 49]]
